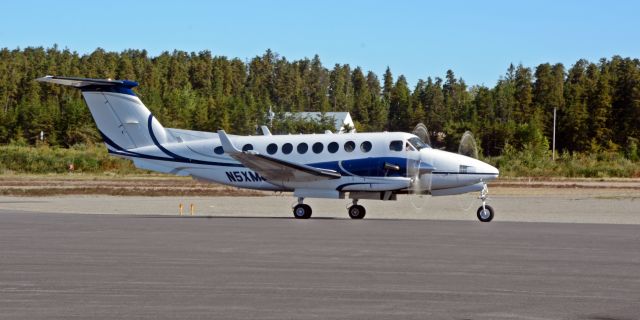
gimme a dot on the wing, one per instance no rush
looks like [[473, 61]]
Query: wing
[[275, 169]]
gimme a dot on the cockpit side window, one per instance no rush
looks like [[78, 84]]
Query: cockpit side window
[[417, 143]]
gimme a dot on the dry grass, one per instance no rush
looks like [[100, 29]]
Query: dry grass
[[48, 185], [166, 185]]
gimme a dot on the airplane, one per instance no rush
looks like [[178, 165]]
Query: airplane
[[369, 165]]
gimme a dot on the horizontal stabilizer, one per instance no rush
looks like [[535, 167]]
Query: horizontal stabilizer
[[87, 82]]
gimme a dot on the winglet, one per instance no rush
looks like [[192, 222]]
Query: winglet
[[227, 146]]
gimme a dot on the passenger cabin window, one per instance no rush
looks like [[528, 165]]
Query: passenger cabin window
[[395, 145], [302, 148], [287, 148], [218, 150], [272, 148], [365, 146], [317, 147], [333, 147], [247, 147], [349, 146]]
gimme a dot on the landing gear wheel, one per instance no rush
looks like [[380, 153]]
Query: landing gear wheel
[[302, 211], [485, 213], [357, 211]]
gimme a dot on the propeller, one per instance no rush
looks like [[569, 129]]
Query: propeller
[[468, 146], [421, 131], [419, 168]]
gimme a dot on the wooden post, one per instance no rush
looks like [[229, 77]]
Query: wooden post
[[553, 152]]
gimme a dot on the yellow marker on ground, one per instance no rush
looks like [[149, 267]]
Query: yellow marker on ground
[[180, 207]]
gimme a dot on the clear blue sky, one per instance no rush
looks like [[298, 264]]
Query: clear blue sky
[[476, 39]]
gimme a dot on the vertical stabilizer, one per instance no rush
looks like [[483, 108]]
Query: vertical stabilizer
[[123, 120]]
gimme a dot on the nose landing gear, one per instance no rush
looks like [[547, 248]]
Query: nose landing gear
[[485, 211]]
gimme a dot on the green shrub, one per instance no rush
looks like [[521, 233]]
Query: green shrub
[[530, 162], [45, 159], [525, 163]]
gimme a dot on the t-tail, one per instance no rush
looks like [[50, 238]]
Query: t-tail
[[123, 120]]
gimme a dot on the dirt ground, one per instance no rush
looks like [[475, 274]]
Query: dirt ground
[[159, 185], [569, 201]]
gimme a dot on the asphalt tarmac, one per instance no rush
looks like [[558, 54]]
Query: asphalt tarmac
[[91, 266]]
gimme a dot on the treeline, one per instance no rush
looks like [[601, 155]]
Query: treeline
[[598, 103]]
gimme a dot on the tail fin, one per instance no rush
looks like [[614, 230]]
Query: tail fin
[[123, 120]]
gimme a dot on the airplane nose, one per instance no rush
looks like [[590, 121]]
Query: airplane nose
[[496, 171], [488, 171], [492, 171]]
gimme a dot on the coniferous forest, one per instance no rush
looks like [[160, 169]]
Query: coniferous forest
[[598, 102]]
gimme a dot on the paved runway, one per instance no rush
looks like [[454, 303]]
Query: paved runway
[[76, 266]]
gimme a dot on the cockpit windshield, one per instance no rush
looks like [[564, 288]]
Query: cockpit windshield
[[417, 143]]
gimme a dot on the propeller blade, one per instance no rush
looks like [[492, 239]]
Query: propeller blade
[[468, 146], [421, 131], [420, 172]]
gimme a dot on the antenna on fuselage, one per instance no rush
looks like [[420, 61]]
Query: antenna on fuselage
[[265, 130], [270, 116]]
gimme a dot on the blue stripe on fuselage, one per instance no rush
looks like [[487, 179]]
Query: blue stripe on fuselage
[[368, 167], [155, 141], [124, 152]]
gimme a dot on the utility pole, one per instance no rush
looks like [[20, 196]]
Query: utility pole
[[553, 152]]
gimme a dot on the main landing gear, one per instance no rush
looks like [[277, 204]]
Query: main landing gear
[[303, 211], [485, 212], [356, 211]]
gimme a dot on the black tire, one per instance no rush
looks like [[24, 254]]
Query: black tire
[[487, 215], [302, 211], [357, 212]]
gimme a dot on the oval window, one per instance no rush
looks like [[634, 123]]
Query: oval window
[[365, 146], [333, 147], [317, 147], [218, 150], [302, 148], [247, 147], [272, 148], [349, 146], [287, 148]]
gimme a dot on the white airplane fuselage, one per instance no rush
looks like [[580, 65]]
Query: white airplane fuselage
[[370, 165], [360, 171]]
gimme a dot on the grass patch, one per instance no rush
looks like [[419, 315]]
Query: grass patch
[[46, 160], [94, 161], [567, 165]]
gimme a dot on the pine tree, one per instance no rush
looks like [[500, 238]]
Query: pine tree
[[378, 111], [523, 94], [599, 105], [361, 99], [572, 120], [400, 106]]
